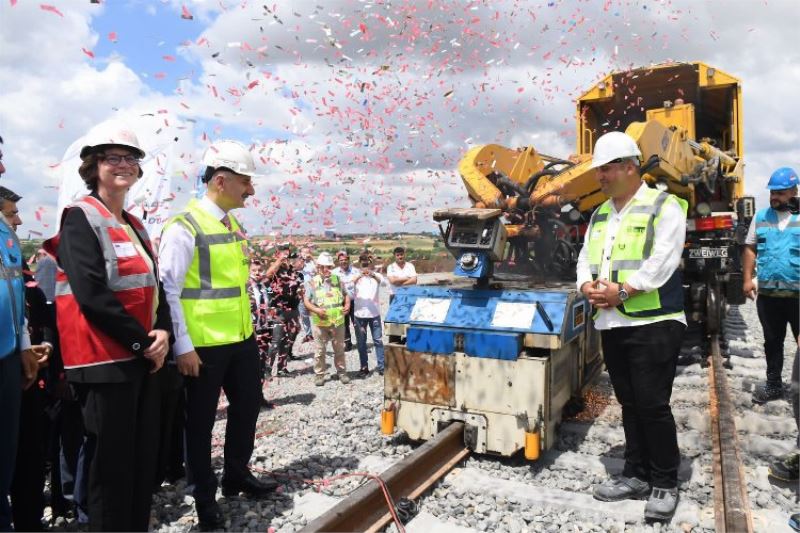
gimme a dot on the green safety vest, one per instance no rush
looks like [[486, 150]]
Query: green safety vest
[[633, 243], [328, 296], [214, 298]]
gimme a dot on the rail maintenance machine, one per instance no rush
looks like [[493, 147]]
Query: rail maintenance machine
[[506, 346]]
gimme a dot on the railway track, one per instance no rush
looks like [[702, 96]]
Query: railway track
[[722, 468]]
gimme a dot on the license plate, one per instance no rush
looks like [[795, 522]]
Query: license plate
[[707, 253]]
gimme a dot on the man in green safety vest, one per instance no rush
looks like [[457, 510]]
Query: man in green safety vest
[[628, 269], [328, 302], [204, 269]]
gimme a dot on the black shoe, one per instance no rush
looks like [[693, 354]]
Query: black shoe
[[364, 372], [283, 372], [380, 371], [251, 486], [348, 346], [210, 517], [768, 392]]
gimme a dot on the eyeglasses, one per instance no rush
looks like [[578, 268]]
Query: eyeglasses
[[115, 160]]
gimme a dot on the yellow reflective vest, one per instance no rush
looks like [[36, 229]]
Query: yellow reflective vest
[[329, 296], [633, 243], [215, 302]]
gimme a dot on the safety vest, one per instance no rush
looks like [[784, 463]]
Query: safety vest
[[215, 301], [12, 291], [633, 244], [328, 295], [778, 258], [128, 276]]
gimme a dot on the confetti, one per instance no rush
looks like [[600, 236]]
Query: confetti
[[51, 9], [186, 14]]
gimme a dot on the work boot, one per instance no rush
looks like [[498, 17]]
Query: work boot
[[344, 378], [661, 504], [319, 381], [210, 517], [786, 468], [768, 392], [348, 346], [621, 488], [364, 372]]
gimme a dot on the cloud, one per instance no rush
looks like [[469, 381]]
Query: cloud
[[359, 111]]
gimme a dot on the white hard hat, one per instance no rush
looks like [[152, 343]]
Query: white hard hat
[[232, 155], [111, 132], [325, 259], [614, 145]]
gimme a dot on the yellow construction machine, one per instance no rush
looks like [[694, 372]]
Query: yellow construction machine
[[506, 347], [687, 120]]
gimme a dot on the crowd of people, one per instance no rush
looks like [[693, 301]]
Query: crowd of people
[[113, 355], [114, 350]]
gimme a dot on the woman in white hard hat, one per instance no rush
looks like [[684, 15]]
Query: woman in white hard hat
[[114, 325]]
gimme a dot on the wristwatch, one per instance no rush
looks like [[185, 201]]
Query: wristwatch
[[623, 294]]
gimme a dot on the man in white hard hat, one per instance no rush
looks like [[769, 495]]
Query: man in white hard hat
[[205, 268], [328, 302], [628, 268]]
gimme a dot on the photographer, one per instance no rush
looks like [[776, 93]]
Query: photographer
[[286, 285]]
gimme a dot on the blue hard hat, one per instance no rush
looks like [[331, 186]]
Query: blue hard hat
[[783, 178]]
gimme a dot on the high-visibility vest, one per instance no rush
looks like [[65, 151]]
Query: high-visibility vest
[[328, 295], [778, 258], [215, 301], [128, 275], [12, 291], [633, 244]]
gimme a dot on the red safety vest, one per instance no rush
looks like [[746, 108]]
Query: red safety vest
[[128, 276]]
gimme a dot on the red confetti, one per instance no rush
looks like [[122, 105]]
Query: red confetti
[[51, 9], [112, 36], [13, 3], [252, 84], [169, 58], [186, 14], [88, 52]]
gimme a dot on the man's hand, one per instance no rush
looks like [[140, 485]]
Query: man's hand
[[189, 364], [602, 294], [346, 309], [749, 289], [320, 312], [30, 367]]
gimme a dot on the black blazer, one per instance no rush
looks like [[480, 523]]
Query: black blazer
[[81, 258]]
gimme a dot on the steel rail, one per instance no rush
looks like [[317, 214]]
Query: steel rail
[[731, 504], [366, 509]]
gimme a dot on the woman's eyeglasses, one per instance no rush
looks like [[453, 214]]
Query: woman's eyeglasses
[[115, 160]]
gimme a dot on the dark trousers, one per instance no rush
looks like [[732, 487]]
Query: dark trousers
[[774, 313], [167, 404], [118, 422], [234, 369], [284, 332], [73, 460], [10, 395], [349, 319], [27, 488], [641, 363]]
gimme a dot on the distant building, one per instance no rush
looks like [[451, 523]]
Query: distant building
[[330, 234]]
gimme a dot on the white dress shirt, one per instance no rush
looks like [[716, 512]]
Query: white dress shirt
[[367, 301], [670, 235], [175, 255], [395, 270]]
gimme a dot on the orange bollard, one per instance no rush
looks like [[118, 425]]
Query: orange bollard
[[387, 421], [532, 445]]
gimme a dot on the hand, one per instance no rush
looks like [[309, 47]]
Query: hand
[[189, 364], [749, 289], [30, 367], [159, 348], [322, 313], [603, 294], [43, 352], [346, 309]]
